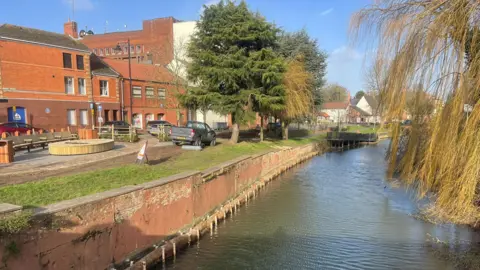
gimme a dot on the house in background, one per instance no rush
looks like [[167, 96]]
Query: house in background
[[337, 111], [364, 110]]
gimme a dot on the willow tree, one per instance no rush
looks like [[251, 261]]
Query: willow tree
[[298, 95], [228, 35], [434, 44]]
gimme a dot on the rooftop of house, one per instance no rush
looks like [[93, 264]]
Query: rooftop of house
[[99, 67], [360, 111], [335, 105], [372, 101], [40, 37], [142, 72]]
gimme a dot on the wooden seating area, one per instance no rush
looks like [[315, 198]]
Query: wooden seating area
[[31, 141]]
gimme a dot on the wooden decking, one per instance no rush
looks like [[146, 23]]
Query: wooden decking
[[349, 139]]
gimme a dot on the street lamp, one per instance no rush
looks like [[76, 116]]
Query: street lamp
[[119, 48]]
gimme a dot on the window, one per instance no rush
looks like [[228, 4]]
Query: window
[[80, 62], [81, 86], [67, 60], [132, 49], [107, 51], [83, 117], [100, 51], [72, 117], [115, 117], [125, 50], [160, 116], [161, 93], [137, 91], [139, 49], [149, 92], [69, 86], [103, 88]]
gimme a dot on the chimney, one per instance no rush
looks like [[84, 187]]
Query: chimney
[[70, 29]]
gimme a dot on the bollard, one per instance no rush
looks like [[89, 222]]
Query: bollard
[[198, 235], [144, 265], [163, 253], [17, 133], [174, 249], [216, 221]]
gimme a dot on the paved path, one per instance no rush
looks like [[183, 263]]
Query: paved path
[[39, 164]]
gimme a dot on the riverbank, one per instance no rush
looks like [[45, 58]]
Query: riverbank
[[120, 221], [56, 189]]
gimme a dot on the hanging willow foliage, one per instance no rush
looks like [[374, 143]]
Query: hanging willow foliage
[[297, 81], [433, 44]]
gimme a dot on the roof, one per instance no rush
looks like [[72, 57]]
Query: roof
[[372, 101], [323, 114], [40, 37], [334, 105], [354, 101], [362, 112], [99, 67], [141, 72]]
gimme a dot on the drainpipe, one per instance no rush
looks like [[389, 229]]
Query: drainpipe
[[122, 102]]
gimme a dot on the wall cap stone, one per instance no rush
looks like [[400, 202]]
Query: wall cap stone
[[7, 208], [168, 179], [73, 203]]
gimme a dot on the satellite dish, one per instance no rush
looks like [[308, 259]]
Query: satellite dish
[[90, 32], [83, 33]]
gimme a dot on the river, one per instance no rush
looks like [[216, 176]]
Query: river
[[335, 211]]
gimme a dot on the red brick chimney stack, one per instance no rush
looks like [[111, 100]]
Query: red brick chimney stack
[[70, 28]]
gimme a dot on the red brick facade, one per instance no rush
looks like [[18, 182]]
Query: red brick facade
[[152, 44], [33, 79]]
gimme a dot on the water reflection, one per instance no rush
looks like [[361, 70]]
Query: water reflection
[[334, 212]]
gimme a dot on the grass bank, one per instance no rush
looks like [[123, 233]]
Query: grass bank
[[56, 189], [362, 129]]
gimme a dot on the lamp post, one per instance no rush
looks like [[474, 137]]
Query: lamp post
[[119, 48]]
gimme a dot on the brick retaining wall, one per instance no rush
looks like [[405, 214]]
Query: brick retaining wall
[[94, 231]]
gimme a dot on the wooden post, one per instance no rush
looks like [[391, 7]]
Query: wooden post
[[113, 133]]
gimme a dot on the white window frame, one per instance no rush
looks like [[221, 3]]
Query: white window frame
[[107, 51], [136, 88], [164, 91], [80, 92], [152, 89], [71, 80], [84, 117], [104, 88], [72, 121], [138, 48]]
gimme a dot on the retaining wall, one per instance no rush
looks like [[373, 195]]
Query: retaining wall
[[103, 230]]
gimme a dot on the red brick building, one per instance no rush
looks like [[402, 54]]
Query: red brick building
[[46, 79], [153, 94], [152, 44]]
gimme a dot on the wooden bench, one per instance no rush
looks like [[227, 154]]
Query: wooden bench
[[30, 141]]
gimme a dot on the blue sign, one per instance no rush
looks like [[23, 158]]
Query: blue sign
[[91, 106], [47, 110], [99, 107]]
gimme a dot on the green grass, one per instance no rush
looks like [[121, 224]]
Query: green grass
[[362, 129], [57, 189]]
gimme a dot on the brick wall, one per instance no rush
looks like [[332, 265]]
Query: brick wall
[[94, 231]]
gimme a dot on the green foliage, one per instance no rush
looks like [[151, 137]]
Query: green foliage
[[227, 37], [15, 223], [335, 93], [298, 43], [359, 94]]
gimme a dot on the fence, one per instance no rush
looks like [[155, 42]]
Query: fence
[[118, 133]]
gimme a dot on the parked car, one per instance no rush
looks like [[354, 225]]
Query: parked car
[[153, 126], [22, 128], [194, 133]]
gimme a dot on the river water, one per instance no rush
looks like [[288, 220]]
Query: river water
[[333, 212]]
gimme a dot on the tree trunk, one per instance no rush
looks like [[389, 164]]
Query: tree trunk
[[204, 113], [284, 131], [235, 133], [261, 128]]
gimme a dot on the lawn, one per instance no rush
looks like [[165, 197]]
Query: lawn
[[57, 189], [362, 129]]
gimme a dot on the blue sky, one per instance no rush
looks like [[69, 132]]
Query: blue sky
[[325, 20]]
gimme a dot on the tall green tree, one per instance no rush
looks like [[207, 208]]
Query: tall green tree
[[228, 35], [359, 94], [294, 44], [267, 72]]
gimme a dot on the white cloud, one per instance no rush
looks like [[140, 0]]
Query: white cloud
[[207, 3], [346, 67], [326, 12], [80, 4]]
